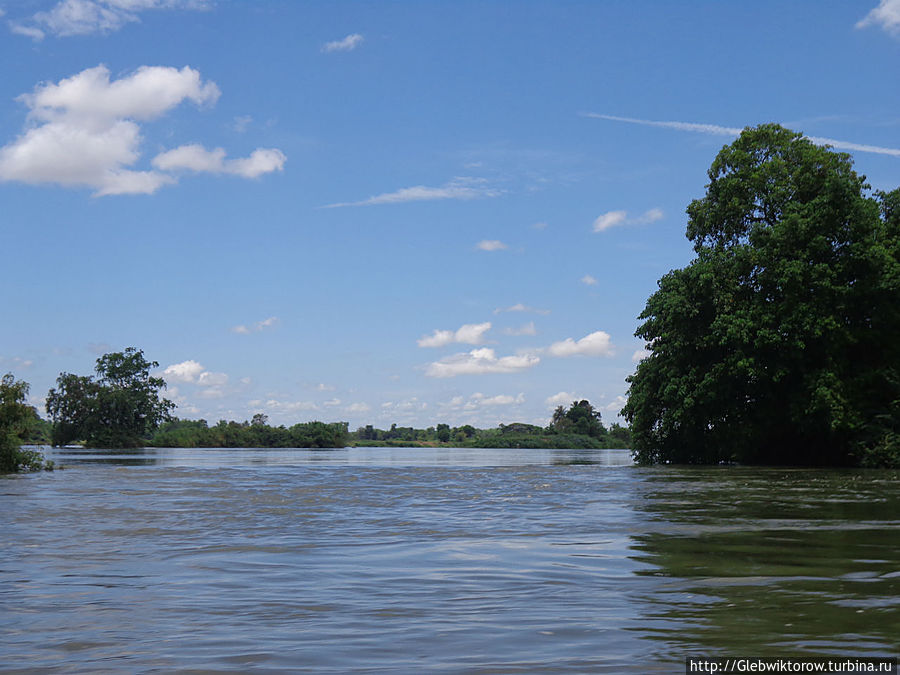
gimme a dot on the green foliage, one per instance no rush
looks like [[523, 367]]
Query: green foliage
[[256, 434], [580, 418], [777, 344], [118, 409], [17, 422]]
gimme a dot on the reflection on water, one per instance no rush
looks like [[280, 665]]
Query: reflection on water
[[421, 560], [764, 561]]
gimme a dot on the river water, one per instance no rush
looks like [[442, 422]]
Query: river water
[[392, 560]]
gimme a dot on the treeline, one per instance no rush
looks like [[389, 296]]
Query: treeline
[[178, 433], [579, 426]]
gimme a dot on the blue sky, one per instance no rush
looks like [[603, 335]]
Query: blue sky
[[384, 213]]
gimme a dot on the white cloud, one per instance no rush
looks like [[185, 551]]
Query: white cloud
[[478, 401], [290, 406], [208, 379], [458, 188], [595, 344], [524, 329], [196, 158], [588, 280], [83, 17], [887, 15], [609, 219], [346, 44], [470, 333], [640, 355], [539, 226], [562, 398], [358, 408], [241, 123], [479, 362], [716, 130], [521, 308], [16, 362], [84, 132], [192, 372], [491, 245], [615, 218], [332, 403], [616, 405], [186, 371], [242, 329], [499, 400]]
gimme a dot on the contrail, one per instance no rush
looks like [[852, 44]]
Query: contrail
[[717, 130]]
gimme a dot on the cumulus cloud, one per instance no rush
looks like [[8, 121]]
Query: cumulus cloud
[[192, 372], [491, 245], [886, 15], [595, 344], [186, 371], [519, 307], [83, 132], [616, 405], [480, 362], [358, 408], [717, 130], [588, 280], [459, 188], [562, 398], [478, 401], [346, 44], [242, 329], [640, 355], [84, 17], [196, 158], [470, 333], [616, 218]]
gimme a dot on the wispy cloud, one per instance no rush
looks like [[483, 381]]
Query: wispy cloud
[[588, 280], [470, 333], [524, 329], [346, 44], [480, 362], [459, 188], [84, 17], [242, 329], [717, 130], [519, 307], [886, 15], [616, 218], [491, 245]]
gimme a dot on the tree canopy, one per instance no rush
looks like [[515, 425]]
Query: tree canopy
[[119, 409], [778, 343], [17, 419]]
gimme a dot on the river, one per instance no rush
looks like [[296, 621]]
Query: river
[[400, 560]]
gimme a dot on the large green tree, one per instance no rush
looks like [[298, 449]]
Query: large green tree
[[120, 408], [778, 343]]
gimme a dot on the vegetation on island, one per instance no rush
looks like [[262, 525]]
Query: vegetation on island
[[257, 433], [778, 343], [19, 422], [579, 426], [121, 408]]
